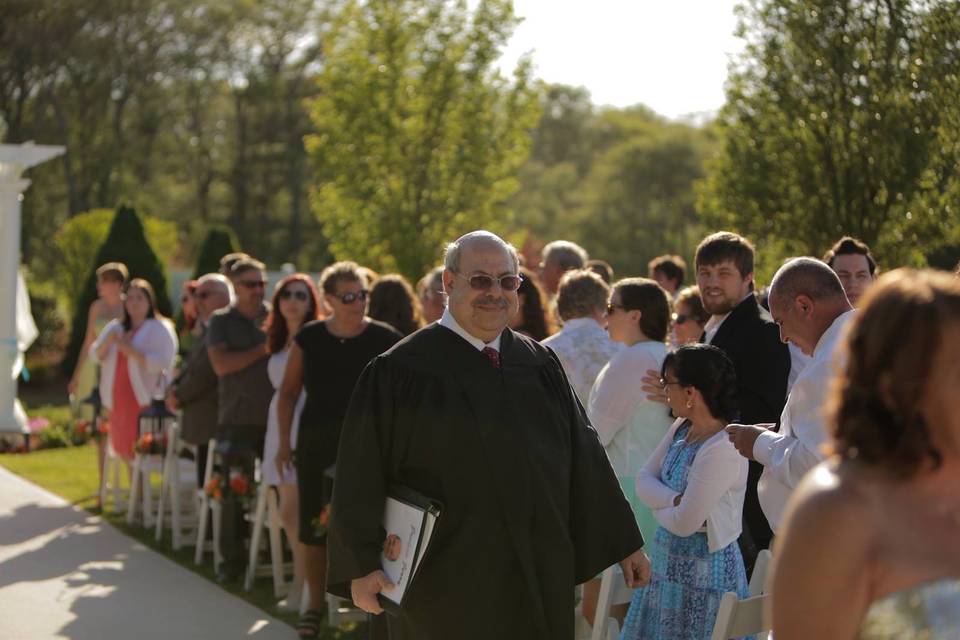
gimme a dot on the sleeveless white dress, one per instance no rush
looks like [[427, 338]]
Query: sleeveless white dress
[[275, 368]]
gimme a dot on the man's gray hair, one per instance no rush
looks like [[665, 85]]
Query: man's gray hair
[[221, 281], [451, 255], [568, 255], [808, 277]]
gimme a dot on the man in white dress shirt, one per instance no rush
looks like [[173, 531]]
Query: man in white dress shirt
[[808, 303]]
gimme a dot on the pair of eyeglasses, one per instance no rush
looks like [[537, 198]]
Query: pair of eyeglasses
[[350, 298], [665, 383], [302, 296], [611, 307], [253, 284], [680, 318], [483, 282]]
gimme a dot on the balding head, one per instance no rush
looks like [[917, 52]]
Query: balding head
[[805, 298], [807, 277], [477, 239], [214, 291]]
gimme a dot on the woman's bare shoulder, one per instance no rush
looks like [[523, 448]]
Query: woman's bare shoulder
[[836, 499]]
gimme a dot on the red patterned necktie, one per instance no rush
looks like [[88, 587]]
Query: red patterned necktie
[[493, 355]]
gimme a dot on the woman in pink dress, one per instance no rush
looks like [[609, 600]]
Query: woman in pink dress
[[136, 353]]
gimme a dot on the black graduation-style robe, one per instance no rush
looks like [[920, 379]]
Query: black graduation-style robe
[[531, 504]]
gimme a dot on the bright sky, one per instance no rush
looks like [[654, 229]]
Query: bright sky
[[670, 55]]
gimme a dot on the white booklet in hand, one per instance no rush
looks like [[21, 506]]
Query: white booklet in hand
[[409, 520]]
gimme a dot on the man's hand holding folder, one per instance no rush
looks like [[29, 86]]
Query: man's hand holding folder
[[364, 590]]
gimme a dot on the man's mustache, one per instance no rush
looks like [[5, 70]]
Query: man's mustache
[[489, 300]]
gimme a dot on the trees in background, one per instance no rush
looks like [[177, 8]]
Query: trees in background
[[418, 138], [842, 118]]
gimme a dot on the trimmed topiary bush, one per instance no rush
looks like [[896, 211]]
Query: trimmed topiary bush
[[126, 242], [219, 242]]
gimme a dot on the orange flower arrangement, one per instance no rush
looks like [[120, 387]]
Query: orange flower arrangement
[[150, 444], [214, 487]]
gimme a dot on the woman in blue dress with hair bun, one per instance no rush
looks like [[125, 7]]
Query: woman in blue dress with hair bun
[[695, 483]]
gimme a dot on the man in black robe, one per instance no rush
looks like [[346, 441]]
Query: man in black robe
[[484, 420]]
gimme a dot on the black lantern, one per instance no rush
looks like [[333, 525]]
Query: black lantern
[[155, 418], [96, 403]]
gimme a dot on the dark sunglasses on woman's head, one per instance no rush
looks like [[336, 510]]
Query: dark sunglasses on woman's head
[[483, 282], [252, 284], [680, 318], [349, 298], [299, 295]]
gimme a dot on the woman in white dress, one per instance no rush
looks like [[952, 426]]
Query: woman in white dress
[[630, 425], [295, 302]]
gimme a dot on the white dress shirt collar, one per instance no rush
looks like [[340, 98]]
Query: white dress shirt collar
[[714, 322], [447, 320]]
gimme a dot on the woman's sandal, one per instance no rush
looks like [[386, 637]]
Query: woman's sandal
[[308, 626]]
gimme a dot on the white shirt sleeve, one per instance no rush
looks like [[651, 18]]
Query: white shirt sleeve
[[789, 455], [160, 348], [616, 393], [650, 490], [717, 468]]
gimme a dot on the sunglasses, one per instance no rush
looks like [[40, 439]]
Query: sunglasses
[[350, 298], [611, 307], [664, 382], [680, 318], [286, 294], [482, 282], [252, 284]]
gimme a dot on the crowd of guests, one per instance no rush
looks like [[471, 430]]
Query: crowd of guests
[[712, 402]]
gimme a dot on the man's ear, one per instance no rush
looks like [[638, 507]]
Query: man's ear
[[804, 304], [448, 278]]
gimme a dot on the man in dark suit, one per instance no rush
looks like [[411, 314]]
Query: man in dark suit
[[194, 391], [751, 339], [483, 419]]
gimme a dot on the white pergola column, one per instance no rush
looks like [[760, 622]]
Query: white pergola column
[[14, 160]]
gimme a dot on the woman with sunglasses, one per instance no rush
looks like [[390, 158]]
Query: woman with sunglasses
[[629, 424], [295, 302], [695, 484], [325, 361], [689, 317]]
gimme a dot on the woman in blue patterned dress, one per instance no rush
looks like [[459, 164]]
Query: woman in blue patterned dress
[[694, 482]]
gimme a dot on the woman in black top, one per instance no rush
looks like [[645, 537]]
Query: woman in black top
[[326, 360]]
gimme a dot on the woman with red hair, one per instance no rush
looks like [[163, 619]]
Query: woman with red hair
[[295, 302]]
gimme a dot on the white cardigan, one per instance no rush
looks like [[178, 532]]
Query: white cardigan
[[157, 341], [716, 486]]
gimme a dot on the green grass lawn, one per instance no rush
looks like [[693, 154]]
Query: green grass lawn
[[72, 474]]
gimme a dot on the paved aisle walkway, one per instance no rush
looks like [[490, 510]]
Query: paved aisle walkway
[[67, 574]]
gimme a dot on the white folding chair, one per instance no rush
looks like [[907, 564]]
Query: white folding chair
[[760, 570], [141, 487], [266, 515], [110, 480], [613, 591], [177, 489], [206, 510], [738, 618]]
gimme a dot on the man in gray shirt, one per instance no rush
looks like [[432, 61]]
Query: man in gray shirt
[[237, 346]]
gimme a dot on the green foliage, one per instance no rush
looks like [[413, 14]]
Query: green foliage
[[126, 242], [220, 241], [76, 244], [841, 119], [418, 137], [617, 181]]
